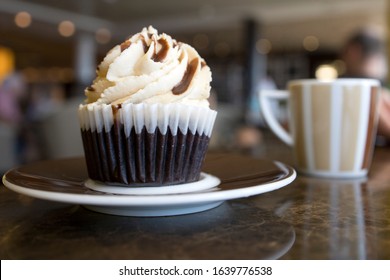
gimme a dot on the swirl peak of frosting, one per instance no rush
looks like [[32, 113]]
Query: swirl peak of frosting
[[151, 68]]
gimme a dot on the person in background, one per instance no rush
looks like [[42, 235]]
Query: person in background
[[364, 55], [12, 95], [12, 91]]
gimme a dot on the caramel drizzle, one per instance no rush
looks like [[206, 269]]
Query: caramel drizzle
[[185, 82]]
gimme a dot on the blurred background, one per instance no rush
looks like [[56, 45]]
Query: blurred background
[[49, 51]]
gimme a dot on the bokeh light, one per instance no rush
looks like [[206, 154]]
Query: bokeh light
[[311, 43], [103, 35], [23, 19], [66, 28], [263, 46], [326, 72]]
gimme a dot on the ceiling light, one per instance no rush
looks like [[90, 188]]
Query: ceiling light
[[66, 28], [23, 19], [103, 35], [263, 46], [326, 72], [311, 43]]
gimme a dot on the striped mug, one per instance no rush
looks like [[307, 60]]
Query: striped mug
[[332, 124]]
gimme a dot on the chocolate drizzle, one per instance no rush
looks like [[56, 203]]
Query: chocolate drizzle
[[115, 109], [145, 45], [185, 82], [125, 45], [162, 53], [144, 41]]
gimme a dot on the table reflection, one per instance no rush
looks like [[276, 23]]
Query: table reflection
[[346, 218]]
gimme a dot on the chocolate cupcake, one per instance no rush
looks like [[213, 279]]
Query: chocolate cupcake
[[146, 120]]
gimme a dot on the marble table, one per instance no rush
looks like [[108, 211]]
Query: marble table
[[311, 218]]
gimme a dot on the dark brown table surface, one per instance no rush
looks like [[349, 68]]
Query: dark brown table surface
[[311, 218]]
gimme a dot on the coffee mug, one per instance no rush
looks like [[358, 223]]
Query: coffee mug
[[332, 124]]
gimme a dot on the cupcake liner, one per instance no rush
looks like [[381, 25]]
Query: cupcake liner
[[145, 144]]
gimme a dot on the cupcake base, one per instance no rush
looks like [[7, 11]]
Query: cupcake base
[[144, 159]]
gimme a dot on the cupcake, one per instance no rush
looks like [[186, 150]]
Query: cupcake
[[146, 120]]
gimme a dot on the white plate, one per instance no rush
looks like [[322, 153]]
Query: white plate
[[205, 182], [63, 181]]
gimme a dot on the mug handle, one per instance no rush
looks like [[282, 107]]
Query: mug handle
[[269, 116]]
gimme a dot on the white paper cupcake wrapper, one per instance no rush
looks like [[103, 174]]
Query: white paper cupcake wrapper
[[151, 116]]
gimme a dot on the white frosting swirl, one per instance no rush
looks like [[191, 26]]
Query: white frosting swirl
[[151, 68]]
